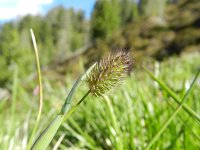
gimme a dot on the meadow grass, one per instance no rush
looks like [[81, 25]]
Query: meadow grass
[[128, 118]]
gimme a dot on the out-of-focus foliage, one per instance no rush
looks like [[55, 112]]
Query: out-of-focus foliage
[[152, 7], [129, 11], [9, 50], [66, 39], [105, 18], [168, 28], [60, 33]]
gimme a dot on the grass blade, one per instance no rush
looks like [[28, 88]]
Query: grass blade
[[47, 135], [40, 90], [118, 139], [155, 138], [174, 96]]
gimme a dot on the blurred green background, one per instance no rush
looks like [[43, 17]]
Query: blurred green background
[[163, 35]]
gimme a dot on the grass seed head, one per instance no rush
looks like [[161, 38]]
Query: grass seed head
[[109, 72]]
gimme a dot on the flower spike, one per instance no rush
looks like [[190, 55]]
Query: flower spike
[[109, 72]]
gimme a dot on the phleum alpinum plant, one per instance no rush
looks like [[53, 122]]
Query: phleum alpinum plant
[[101, 78]]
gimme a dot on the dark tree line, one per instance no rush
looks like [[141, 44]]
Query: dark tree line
[[62, 31]]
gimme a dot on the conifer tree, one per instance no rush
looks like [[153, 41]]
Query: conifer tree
[[105, 18]]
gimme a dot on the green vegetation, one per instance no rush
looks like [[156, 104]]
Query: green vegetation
[[151, 110], [105, 19], [131, 116]]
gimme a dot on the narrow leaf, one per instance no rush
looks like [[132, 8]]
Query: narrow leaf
[[174, 96], [156, 137]]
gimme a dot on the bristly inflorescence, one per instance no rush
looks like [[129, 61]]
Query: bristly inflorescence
[[109, 72]]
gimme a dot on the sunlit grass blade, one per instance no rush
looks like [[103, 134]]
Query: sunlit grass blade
[[14, 97], [130, 120], [40, 90], [174, 96], [155, 138], [118, 138], [56, 146]]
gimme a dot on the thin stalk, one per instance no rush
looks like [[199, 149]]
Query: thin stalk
[[14, 96], [118, 139], [40, 90], [81, 100], [75, 107], [66, 105], [155, 138]]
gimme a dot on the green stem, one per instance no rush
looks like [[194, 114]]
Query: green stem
[[80, 101], [40, 90], [75, 107], [14, 96], [118, 139]]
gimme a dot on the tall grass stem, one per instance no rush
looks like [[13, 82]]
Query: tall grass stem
[[14, 97], [76, 106], [40, 90], [118, 139]]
